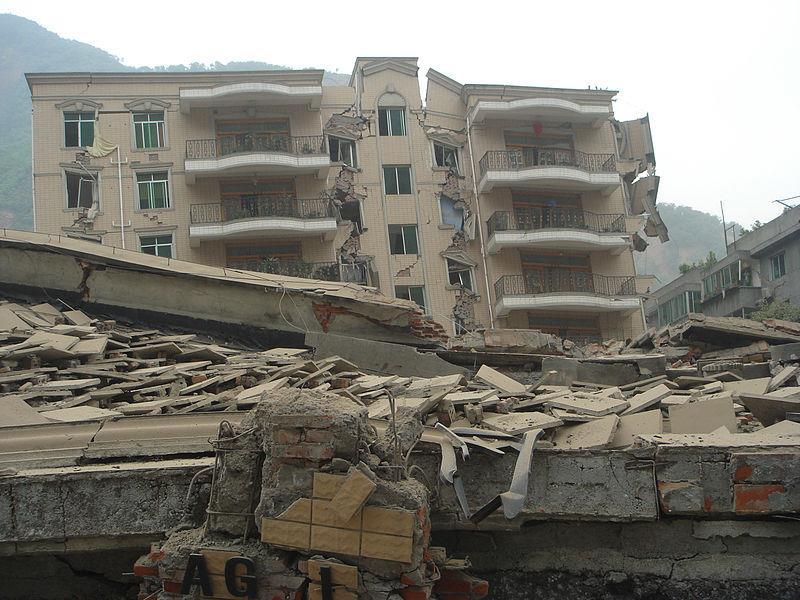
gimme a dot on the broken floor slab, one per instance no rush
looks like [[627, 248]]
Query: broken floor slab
[[615, 371]]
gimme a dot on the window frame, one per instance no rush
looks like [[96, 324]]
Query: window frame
[[168, 189], [83, 177], [444, 147], [779, 260], [408, 289], [387, 111], [79, 121], [398, 192], [339, 140], [156, 245], [164, 141], [469, 269], [403, 235]]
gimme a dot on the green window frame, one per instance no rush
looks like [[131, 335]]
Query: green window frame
[[403, 239], [392, 121], [778, 264], [415, 293], [149, 130], [157, 245], [153, 190], [397, 180], [78, 129]]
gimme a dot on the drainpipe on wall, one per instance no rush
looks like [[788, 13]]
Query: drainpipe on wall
[[480, 223], [121, 206], [33, 178]]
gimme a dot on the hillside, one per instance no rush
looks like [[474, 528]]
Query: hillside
[[692, 234], [26, 46]]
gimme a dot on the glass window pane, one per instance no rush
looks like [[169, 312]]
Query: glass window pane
[[144, 195], [72, 190], [159, 194], [417, 294], [383, 122], [139, 136], [71, 135], [404, 180], [333, 148], [346, 153], [86, 196], [410, 235], [390, 180], [396, 240], [398, 125], [87, 133], [164, 250]]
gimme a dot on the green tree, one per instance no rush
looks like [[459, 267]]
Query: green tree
[[777, 309]]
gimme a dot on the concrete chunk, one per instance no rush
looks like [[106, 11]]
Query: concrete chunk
[[647, 422], [586, 436], [488, 375], [703, 416], [520, 422], [588, 404], [646, 399]]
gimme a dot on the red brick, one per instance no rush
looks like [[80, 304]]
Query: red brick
[[752, 498], [318, 436], [414, 592], [287, 436]]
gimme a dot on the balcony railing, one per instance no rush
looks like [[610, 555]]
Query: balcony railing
[[513, 160], [532, 218], [255, 142], [254, 207], [563, 280]]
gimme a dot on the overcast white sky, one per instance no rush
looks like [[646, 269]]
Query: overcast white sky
[[721, 80]]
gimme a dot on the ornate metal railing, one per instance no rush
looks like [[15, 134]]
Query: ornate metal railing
[[254, 207], [531, 218], [512, 160], [325, 271], [563, 280], [226, 145]]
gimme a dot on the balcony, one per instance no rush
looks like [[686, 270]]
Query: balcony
[[324, 271], [250, 93], [564, 290], [270, 216], [257, 153], [563, 228], [545, 109], [551, 168]]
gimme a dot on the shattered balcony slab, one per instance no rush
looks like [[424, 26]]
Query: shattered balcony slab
[[124, 281]]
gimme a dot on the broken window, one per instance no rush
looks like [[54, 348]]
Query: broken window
[[391, 121], [78, 129], [445, 156], [451, 215], [148, 129], [403, 239], [81, 190], [459, 274], [157, 245], [415, 293], [153, 190], [351, 211], [343, 151], [396, 180], [778, 263]]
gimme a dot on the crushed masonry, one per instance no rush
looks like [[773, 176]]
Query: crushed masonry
[[322, 475]]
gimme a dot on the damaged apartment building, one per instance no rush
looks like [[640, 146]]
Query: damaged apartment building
[[490, 206]]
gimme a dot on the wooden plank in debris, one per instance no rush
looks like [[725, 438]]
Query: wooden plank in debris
[[488, 375]]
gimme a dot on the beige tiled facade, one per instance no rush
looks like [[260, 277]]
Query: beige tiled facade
[[237, 160]]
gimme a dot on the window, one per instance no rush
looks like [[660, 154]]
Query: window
[[148, 129], [459, 274], [450, 214], [415, 293], [343, 151], [81, 190], [396, 180], [694, 301], [391, 121], [78, 129], [403, 239], [778, 263], [445, 156], [153, 190], [157, 245]]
